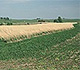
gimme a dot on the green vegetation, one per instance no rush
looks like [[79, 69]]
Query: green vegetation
[[55, 20], [59, 20], [41, 20], [71, 20], [56, 51], [18, 21], [34, 21], [9, 23], [1, 23], [4, 18], [64, 20]]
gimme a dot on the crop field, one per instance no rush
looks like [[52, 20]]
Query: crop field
[[33, 21], [39, 35], [20, 31], [18, 21], [55, 51]]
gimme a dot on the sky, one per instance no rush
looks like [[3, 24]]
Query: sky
[[47, 9]]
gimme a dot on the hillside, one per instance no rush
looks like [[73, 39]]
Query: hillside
[[55, 51]]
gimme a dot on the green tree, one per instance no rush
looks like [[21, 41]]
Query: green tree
[[1, 17], [55, 20], [60, 19], [7, 18]]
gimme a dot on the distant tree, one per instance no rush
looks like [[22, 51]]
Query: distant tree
[[60, 19], [28, 23], [4, 18], [38, 18], [1, 17], [41, 20], [55, 20], [9, 23], [7, 18]]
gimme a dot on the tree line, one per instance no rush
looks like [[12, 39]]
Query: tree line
[[58, 20], [5, 18]]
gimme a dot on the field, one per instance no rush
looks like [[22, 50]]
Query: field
[[55, 51], [33, 21], [16, 21], [25, 31]]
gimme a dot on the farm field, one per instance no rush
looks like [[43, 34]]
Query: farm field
[[33, 21], [39, 34], [25, 31], [55, 51]]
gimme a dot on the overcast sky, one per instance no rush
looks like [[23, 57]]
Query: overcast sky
[[40, 8]]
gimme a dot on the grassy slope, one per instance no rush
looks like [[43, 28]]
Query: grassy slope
[[51, 51]]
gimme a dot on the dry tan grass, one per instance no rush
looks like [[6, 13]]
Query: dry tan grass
[[27, 30]]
